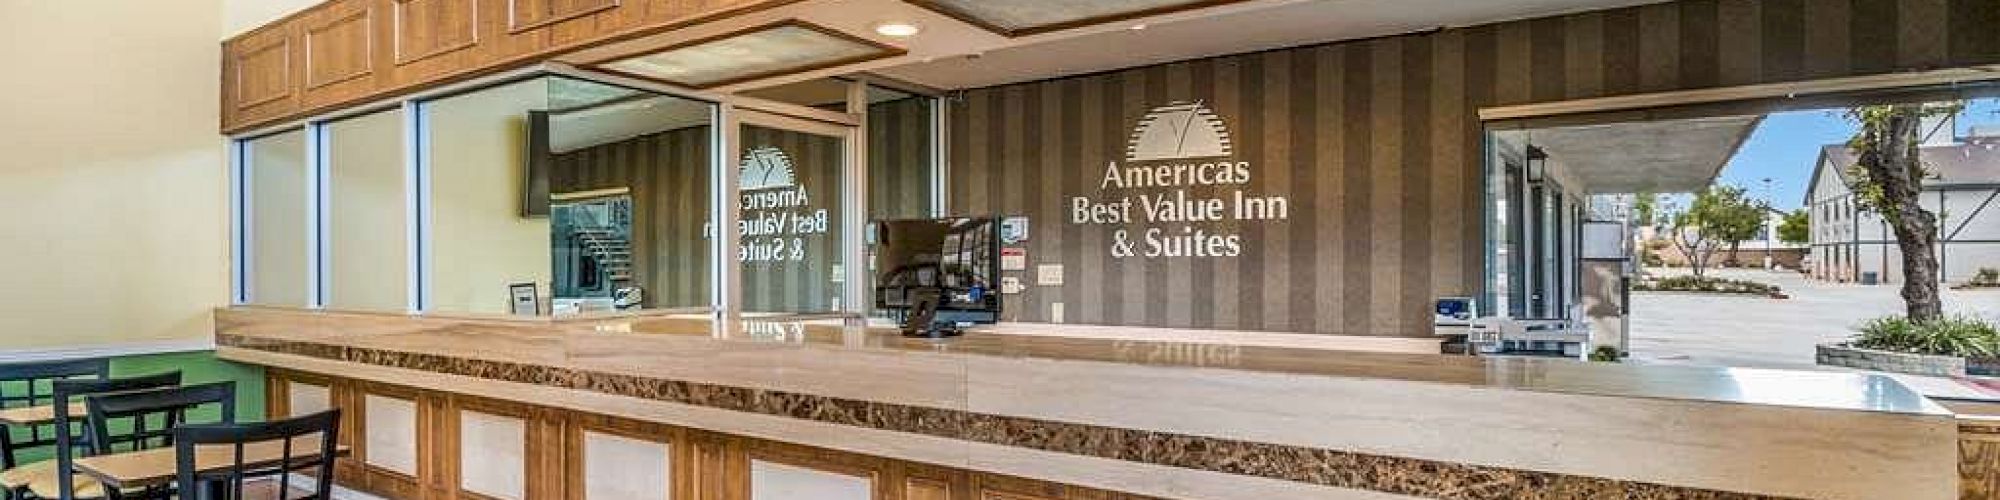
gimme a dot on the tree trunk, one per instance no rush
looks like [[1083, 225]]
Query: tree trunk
[[1896, 167]]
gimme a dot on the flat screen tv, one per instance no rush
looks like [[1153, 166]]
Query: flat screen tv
[[938, 275]]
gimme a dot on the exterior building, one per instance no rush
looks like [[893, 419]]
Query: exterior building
[[1853, 245]]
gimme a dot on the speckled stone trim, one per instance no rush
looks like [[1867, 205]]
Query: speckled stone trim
[[1390, 474]]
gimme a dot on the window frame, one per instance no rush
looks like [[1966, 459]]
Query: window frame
[[727, 113]]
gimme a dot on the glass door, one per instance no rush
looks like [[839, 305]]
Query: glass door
[[799, 216]]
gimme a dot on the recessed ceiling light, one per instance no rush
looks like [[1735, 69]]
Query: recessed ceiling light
[[897, 29], [1137, 27]]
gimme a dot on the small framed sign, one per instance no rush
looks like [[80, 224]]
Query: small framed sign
[[1013, 230], [523, 299], [1013, 259]]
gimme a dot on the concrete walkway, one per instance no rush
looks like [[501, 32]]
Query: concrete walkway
[[1760, 332], [1723, 330]]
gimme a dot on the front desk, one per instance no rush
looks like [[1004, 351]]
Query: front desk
[[633, 407]]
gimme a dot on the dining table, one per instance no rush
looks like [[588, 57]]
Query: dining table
[[35, 415], [158, 466]]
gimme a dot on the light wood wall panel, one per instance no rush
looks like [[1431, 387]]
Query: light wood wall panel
[[422, 29], [343, 52], [337, 51], [556, 454], [1377, 147], [525, 15], [258, 74]]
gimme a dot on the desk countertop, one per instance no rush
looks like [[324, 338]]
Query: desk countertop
[[1058, 389]]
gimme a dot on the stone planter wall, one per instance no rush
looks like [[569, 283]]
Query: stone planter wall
[[1983, 366], [1888, 361]]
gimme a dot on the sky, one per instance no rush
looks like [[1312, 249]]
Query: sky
[[1785, 145]]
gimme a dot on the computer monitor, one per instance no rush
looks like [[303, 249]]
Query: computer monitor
[[938, 275]]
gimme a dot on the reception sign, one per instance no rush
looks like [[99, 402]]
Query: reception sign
[[778, 214], [1180, 193]]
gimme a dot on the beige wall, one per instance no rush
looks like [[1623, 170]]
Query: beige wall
[[481, 244], [368, 236], [239, 16], [276, 205], [113, 181]]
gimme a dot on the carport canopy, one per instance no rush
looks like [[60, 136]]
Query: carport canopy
[[1660, 156]]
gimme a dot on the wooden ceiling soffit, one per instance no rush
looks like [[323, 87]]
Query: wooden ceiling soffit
[[1018, 18], [752, 53]]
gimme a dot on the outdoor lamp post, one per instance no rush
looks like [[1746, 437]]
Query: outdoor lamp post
[[1770, 232]]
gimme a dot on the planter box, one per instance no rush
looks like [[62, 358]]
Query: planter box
[[1983, 366], [1890, 361]]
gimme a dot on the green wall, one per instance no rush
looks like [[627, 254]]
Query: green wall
[[200, 367], [196, 367]]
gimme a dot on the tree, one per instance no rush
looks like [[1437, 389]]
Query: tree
[[1719, 216], [1645, 208], [1887, 177], [1645, 212], [1796, 229]]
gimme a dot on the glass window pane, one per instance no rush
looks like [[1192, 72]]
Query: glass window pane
[[367, 231], [276, 224], [595, 194], [629, 201], [482, 238], [790, 220], [900, 172]]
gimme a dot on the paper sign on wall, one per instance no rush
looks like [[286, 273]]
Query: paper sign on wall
[[1011, 285], [1013, 259], [1049, 275]]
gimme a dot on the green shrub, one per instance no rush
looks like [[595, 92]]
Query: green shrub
[[1691, 283], [1604, 353], [1963, 336], [1986, 276]]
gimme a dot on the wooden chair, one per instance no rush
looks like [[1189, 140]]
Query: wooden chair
[[28, 384], [323, 427], [146, 420], [60, 480]]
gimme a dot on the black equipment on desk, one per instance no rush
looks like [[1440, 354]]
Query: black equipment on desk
[[937, 275]]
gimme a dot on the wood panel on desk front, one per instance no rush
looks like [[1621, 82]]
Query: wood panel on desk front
[[703, 465], [344, 52], [1378, 146]]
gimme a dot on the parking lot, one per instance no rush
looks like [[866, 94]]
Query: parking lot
[[1727, 330]]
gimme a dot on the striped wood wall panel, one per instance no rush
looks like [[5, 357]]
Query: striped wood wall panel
[[899, 163], [667, 174], [1377, 145]]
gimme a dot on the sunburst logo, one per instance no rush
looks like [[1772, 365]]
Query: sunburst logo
[[1176, 131], [765, 167]]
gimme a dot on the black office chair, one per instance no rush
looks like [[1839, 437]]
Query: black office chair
[[228, 483], [28, 384], [63, 483], [144, 420]]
